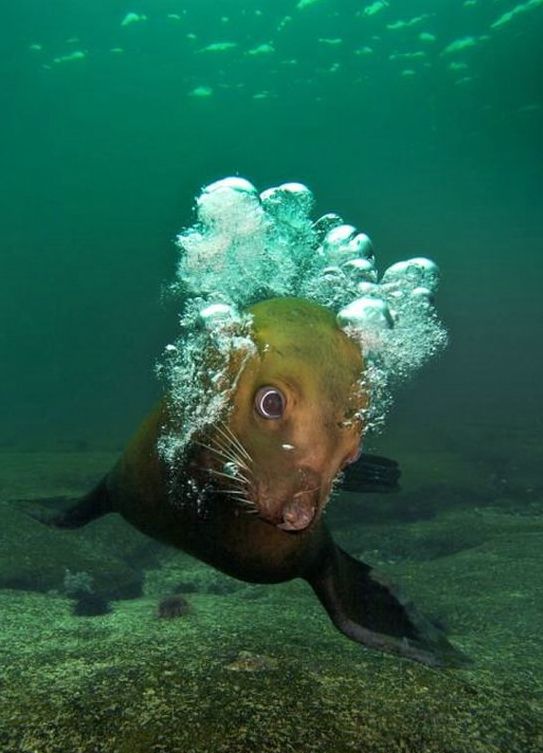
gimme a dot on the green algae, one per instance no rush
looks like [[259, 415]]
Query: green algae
[[131, 682], [138, 683]]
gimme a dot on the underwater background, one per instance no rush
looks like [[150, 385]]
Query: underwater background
[[420, 122]]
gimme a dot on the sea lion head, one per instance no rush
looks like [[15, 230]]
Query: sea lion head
[[296, 415], [274, 389]]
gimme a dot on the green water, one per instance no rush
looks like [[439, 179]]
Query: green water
[[420, 122], [102, 157]]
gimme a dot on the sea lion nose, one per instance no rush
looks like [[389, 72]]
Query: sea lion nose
[[291, 502], [300, 510], [298, 514]]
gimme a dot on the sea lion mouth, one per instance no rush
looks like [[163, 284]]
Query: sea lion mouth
[[289, 500], [297, 515], [292, 513]]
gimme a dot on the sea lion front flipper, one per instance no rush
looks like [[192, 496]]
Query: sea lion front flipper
[[90, 507], [366, 609], [371, 473]]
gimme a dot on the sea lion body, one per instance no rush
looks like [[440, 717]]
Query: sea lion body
[[301, 350], [286, 466]]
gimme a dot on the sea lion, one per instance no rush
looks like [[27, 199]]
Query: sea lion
[[249, 496]]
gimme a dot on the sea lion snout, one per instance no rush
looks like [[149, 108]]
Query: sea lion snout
[[291, 504], [298, 514]]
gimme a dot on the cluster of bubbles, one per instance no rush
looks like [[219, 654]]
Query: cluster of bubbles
[[247, 247], [201, 370]]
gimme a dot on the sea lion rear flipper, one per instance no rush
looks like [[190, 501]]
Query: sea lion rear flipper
[[371, 473], [366, 609], [90, 507]]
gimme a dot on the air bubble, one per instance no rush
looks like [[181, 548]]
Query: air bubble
[[413, 273], [217, 313], [231, 204], [366, 313], [343, 242], [360, 270], [362, 246], [289, 202], [324, 224]]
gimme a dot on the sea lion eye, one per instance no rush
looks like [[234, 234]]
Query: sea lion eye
[[269, 402]]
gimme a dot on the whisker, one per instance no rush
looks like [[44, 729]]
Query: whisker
[[213, 449], [224, 475], [238, 443], [221, 427], [222, 453], [306, 491], [240, 477], [230, 452], [230, 443], [240, 498], [235, 493], [241, 484], [226, 446], [246, 504], [229, 435]]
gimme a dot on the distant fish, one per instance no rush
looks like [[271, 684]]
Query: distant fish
[[261, 49], [505, 18], [364, 51], [376, 7], [459, 44], [396, 25], [454, 66], [407, 55], [76, 55], [133, 18], [306, 3], [201, 91], [219, 47]]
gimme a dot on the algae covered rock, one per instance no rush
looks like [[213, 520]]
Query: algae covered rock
[[35, 557]]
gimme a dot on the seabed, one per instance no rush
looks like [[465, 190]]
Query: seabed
[[260, 668]]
